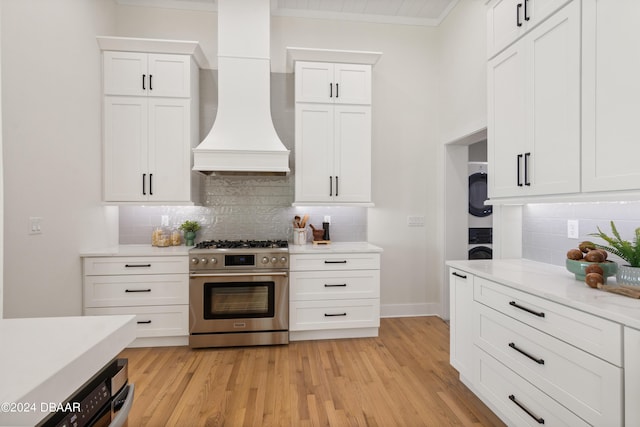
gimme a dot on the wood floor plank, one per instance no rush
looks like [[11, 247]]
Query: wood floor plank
[[401, 378]]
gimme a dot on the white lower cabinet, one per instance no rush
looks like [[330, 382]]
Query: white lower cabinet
[[334, 295], [154, 289], [535, 361], [632, 376]]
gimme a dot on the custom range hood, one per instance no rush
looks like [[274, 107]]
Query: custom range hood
[[243, 139]]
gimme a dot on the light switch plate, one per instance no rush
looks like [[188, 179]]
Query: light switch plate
[[35, 225], [415, 221], [572, 229]]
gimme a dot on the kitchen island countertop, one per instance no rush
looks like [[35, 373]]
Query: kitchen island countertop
[[45, 360], [138, 250], [334, 247], [557, 284]]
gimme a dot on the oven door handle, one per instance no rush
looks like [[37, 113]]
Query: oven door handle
[[122, 406], [270, 273]]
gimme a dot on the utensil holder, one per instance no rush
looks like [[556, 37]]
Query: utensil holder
[[299, 236]]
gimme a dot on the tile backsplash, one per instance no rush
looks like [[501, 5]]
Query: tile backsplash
[[544, 226]]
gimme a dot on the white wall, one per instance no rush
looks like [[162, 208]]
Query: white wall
[[1, 182], [52, 150]]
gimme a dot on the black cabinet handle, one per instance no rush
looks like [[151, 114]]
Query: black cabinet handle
[[526, 13], [518, 23], [337, 185], [336, 262], [340, 285], [130, 291], [150, 85], [519, 350], [151, 184], [518, 158], [330, 186], [143, 322], [540, 420], [462, 276], [330, 90], [144, 184], [337, 90], [137, 265], [526, 168], [144, 76], [334, 315], [528, 310]]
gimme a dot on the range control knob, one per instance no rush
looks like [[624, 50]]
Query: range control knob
[[194, 261], [265, 260], [214, 260], [283, 260], [274, 260], [204, 260]]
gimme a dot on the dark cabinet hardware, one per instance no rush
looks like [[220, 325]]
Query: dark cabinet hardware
[[151, 184], [150, 84], [538, 419], [336, 262], [526, 169], [144, 76], [334, 315], [330, 90], [526, 12], [528, 310], [518, 22], [137, 265], [144, 184], [340, 285], [337, 90], [336, 186], [136, 290], [519, 350], [143, 322], [462, 276], [330, 186], [518, 160]]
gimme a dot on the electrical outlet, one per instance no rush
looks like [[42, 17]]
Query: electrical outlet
[[415, 221], [572, 229], [35, 225]]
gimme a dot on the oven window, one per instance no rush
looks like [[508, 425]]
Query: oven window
[[238, 300]]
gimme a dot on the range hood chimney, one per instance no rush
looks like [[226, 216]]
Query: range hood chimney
[[243, 139]]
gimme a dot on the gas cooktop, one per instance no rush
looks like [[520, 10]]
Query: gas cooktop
[[242, 244]]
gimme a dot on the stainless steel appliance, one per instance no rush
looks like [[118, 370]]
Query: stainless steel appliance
[[104, 400], [239, 293]]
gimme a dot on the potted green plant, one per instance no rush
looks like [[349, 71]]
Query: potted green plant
[[628, 251], [189, 228]]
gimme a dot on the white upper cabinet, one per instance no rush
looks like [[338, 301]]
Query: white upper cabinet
[[325, 82], [143, 74], [507, 20], [611, 95], [534, 110]]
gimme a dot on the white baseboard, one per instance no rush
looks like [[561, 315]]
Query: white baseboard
[[410, 310]]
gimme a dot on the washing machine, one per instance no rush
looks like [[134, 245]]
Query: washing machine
[[480, 215]]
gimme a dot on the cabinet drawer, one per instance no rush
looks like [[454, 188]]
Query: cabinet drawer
[[320, 262], [580, 381], [136, 265], [334, 314], [595, 335], [114, 291], [156, 321], [506, 390], [313, 285]]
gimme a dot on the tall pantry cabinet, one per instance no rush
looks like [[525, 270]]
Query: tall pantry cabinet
[[150, 121]]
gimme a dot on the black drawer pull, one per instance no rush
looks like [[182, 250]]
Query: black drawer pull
[[462, 276], [144, 322], [538, 361], [340, 285], [137, 265], [335, 315], [518, 7], [137, 290], [539, 420], [528, 310], [336, 262]]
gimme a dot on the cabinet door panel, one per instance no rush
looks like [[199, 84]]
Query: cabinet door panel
[[314, 152], [553, 98], [125, 148], [631, 376], [353, 153], [170, 75], [354, 84], [502, 28], [506, 122], [611, 95], [313, 80], [462, 322], [123, 73], [169, 149]]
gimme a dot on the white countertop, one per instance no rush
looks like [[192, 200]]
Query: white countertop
[[556, 284], [138, 250], [45, 360], [334, 248]]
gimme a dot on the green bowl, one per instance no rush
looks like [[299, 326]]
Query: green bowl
[[577, 268]]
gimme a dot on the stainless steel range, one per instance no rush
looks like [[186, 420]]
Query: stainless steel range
[[239, 293]]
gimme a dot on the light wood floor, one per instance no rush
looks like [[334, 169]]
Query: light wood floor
[[401, 378]]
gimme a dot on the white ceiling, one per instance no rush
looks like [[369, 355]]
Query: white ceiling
[[404, 12]]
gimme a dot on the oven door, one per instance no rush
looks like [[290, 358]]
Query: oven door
[[238, 302]]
